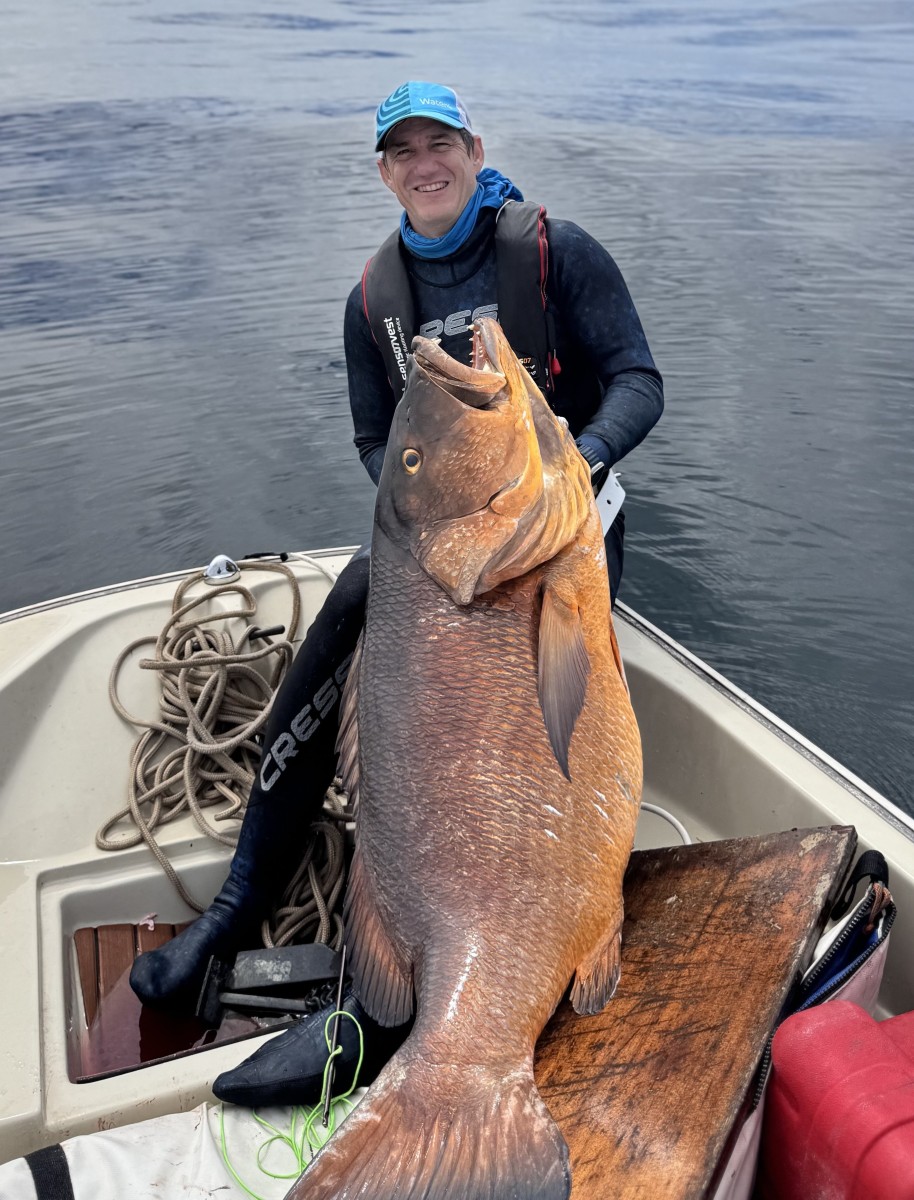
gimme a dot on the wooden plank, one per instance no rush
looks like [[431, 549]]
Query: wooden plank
[[87, 962], [116, 952], [648, 1091]]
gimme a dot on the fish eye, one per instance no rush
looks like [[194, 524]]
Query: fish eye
[[412, 461]]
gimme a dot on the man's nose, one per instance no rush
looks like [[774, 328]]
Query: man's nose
[[425, 160]]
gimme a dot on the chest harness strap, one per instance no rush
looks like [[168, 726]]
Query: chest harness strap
[[521, 265]]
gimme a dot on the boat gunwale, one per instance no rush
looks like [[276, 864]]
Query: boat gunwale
[[862, 791], [130, 585], [859, 788]]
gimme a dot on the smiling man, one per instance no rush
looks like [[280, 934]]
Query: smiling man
[[469, 246], [432, 171]]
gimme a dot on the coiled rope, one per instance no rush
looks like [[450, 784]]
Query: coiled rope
[[310, 909], [204, 748]]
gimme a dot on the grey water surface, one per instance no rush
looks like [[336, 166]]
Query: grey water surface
[[187, 194]]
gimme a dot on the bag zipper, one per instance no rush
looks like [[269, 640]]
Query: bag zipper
[[879, 899], [881, 902]]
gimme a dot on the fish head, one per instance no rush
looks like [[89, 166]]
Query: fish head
[[481, 480]]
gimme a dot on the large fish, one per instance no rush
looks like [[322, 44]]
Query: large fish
[[489, 735]]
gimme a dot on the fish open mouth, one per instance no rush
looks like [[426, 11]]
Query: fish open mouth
[[476, 385]]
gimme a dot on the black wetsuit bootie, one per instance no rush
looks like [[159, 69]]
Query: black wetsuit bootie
[[289, 1069], [269, 844], [298, 765]]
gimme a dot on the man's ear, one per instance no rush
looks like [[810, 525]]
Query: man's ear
[[479, 154], [385, 175]]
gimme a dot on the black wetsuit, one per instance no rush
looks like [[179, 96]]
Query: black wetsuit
[[607, 385], [598, 333]]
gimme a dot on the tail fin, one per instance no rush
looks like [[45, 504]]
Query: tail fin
[[431, 1132]]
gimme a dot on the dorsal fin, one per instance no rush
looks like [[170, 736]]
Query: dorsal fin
[[617, 653]]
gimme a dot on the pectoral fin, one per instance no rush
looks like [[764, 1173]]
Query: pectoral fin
[[564, 668]]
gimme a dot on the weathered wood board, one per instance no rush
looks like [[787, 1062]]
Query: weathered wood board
[[648, 1092]]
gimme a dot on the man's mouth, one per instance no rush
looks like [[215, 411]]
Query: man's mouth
[[431, 187]]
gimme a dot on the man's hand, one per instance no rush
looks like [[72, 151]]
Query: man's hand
[[596, 452]]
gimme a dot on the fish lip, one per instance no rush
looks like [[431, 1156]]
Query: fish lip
[[483, 377]]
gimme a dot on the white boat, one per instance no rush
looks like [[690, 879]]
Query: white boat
[[715, 760]]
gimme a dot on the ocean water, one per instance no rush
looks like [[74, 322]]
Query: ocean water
[[187, 195]]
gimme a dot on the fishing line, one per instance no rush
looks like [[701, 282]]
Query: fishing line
[[303, 1142]]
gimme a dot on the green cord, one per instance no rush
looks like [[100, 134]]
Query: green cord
[[305, 1145]]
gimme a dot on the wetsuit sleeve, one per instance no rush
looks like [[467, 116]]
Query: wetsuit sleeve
[[371, 397], [596, 314]]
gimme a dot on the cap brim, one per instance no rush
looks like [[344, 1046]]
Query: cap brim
[[428, 116]]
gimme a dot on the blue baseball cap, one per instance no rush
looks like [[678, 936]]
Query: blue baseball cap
[[416, 99]]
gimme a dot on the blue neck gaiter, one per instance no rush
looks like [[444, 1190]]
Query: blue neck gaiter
[[492, 190]]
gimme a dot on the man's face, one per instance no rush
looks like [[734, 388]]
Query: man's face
[[427, 167]]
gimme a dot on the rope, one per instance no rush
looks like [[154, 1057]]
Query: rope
[[203, 750], [309, 909]]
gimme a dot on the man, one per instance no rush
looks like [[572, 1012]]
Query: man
[[467, 246]]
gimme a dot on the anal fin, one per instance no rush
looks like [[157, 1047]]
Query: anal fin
[[597, 977], [382, 979]]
